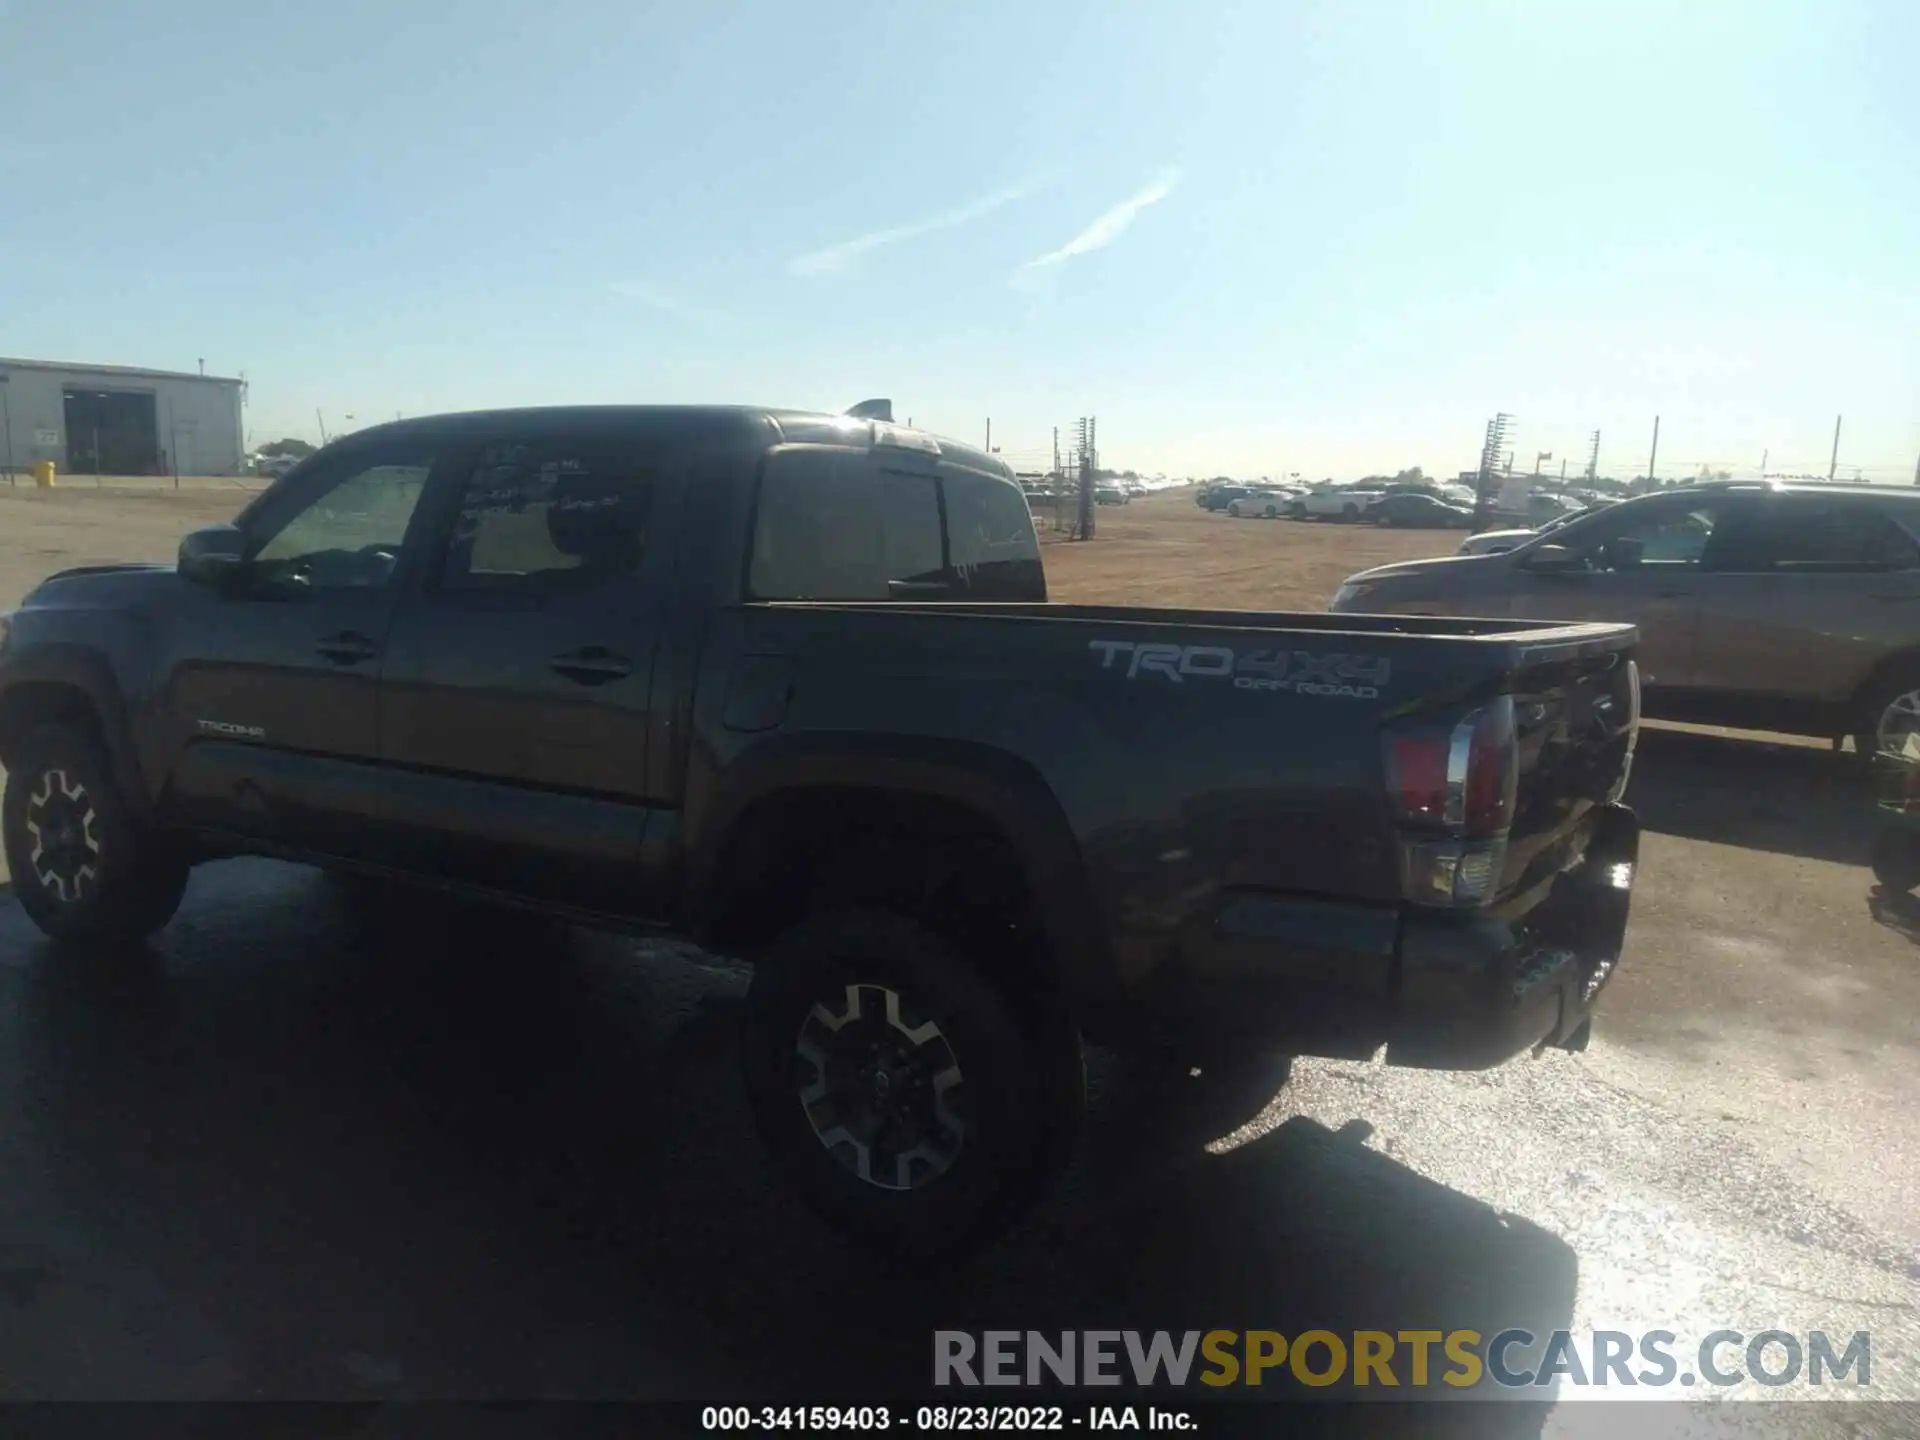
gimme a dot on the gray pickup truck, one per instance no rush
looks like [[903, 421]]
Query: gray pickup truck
[[789, 684]]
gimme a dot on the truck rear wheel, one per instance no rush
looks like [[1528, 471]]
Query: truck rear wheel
[[914, 1102], [85, 873]]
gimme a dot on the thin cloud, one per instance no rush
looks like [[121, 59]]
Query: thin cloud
[[657, 297], [843, 256], [1111, 225]]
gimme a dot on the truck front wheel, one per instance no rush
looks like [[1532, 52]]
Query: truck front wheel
[[85, 873], [912, 1099]]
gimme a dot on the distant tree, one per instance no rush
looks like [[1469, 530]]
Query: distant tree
[[1411, 476], [1221, 480], [296, 449]]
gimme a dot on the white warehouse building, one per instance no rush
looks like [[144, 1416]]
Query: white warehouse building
[[118, 420]]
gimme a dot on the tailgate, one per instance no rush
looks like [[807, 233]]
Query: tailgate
[[1576, 718]]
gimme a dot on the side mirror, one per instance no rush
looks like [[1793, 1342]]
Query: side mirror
[[1552, 560], [213, 555]]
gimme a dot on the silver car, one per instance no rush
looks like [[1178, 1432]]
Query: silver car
[[1787, 607]]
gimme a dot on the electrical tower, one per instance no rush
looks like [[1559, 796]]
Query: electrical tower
[[1087, 463], [1490, 453], [1593, 459]]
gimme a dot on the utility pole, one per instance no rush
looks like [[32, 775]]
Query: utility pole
[[989, 444], [1563, 469], [1834, 459], [323, 424], [1593, 459], [1763, 462], [1654, 453], [6, 411]]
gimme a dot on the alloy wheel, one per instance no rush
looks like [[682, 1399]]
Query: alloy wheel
[[1899, 719], [881, 1087], [64, 827]]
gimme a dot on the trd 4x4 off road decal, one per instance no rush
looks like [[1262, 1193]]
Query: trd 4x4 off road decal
[[1350, 677]]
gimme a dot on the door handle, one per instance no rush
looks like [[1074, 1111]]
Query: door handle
[[1673, 594], [349, 647], [594, 665]]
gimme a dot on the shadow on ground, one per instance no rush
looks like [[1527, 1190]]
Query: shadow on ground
[[1791, 799], [289, 1156]]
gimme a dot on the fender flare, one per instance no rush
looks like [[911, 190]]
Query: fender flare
[[1001, 788], [87, 671]]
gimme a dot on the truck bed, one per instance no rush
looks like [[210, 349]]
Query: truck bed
[[1195, 756]]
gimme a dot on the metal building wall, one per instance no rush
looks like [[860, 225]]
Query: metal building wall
[[197, 419]]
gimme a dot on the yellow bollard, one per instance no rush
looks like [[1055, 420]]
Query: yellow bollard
[[43, 472]]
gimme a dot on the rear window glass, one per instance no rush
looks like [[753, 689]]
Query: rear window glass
[[1816, 534], [995, 555], [835, 525]]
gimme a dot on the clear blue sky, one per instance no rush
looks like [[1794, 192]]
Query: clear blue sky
[[1327, 238]]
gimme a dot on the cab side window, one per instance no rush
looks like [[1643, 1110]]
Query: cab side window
[[841, 525], [343, 528], [547, 516], [995, 554], [832, 526]]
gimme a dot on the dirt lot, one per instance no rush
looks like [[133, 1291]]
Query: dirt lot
[[80, 524], [1165, 550]]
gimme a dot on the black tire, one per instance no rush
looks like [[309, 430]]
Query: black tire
[[1350, 513], [1271, 513], [1896, 859], [995, 1136], [105, 881], [1298, 511]]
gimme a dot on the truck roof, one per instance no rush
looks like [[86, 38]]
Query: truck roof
[[749, 424]]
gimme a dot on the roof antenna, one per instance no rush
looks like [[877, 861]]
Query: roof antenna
[[873, 410]]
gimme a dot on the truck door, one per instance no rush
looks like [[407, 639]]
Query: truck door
[[516, 711], [268, 685]]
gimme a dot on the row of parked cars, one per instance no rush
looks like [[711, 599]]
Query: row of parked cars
[[1407, 504]]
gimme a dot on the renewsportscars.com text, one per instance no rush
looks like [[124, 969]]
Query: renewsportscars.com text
[[1399, 1359]]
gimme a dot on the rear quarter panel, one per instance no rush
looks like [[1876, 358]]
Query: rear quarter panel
[[1175, 781]]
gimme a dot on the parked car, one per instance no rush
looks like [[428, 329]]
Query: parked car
[[1335, 502], [729, 673], [1792, 606], [1498, 542], [1416, 510], [1264, 502], [1218, 497]]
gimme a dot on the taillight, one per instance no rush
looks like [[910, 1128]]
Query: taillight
[[1454, 790], [1493, 768], [1420, 776]]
